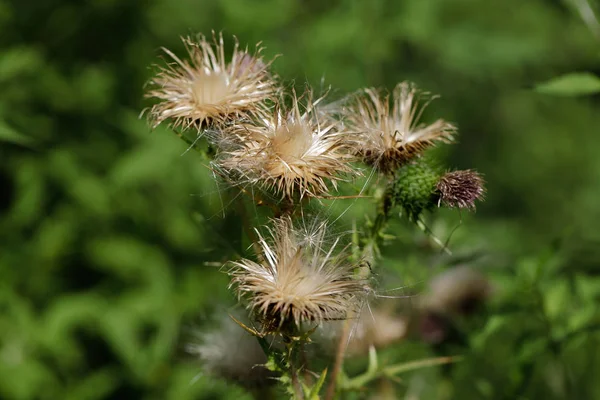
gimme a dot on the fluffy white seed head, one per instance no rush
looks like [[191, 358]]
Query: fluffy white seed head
[[293, 151], [206, 90], [388, 135], [297, 280]]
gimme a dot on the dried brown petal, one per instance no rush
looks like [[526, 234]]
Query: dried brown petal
[[460, 189]]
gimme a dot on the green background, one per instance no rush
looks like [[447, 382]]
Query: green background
[[111, 239]]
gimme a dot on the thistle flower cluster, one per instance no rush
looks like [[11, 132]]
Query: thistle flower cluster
[[293, 150], [291, 146], [296, 147]]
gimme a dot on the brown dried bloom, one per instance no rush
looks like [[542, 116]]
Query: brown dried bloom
[[387, 138], [206, 89], [289, 151], [460, 189], [457, 291], [297, 280]]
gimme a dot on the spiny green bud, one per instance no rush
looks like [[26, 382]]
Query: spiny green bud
[[415, 188]]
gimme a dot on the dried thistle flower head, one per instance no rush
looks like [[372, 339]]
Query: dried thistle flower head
[[297, 280], [460, 189], [229, 352], [208, 90], [389, 136], [293, 151], [457, 291]]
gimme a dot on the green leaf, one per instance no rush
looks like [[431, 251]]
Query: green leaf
[[314, 393], [532, 350], [19, 61], [397, 369], [574, 84], [275, 359], [96, 385], [8, 134]]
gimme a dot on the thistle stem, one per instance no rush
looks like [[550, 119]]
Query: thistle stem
[[376, 230], [339, 360], [295, 380]]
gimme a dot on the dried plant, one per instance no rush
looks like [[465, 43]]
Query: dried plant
[[295, 151], [207, 90], [390, 135], [297, 280], [460, 189], [298, 148]]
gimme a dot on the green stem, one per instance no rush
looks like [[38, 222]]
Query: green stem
[[394, 370], [376, 231], [290, 345]]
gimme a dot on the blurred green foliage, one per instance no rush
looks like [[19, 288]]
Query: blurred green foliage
[[111, 239]]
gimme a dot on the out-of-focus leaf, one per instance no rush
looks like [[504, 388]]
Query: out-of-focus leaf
[[494, 325], [314, 393], [575, 84], [557, 298], [95, 86], [8, 134], [532, 349], [17, 61], [66, 313], [95, 386], [25, 380]]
